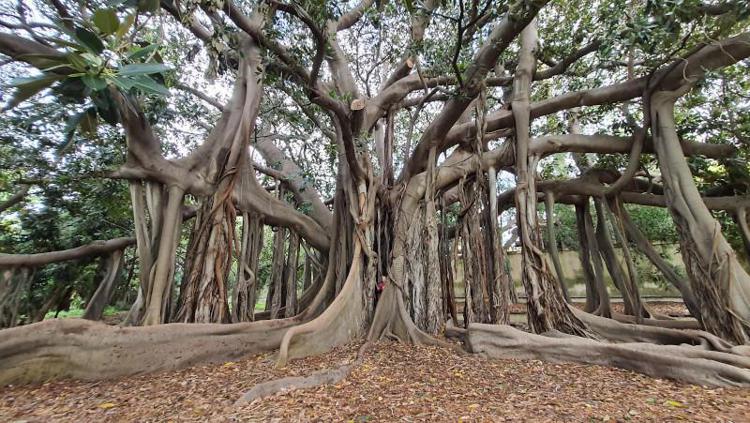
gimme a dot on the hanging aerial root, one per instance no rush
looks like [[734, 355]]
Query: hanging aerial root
[[291, 383], [683, 363], [87, 350]]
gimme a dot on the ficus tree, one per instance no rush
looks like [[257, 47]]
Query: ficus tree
[[369, 137]]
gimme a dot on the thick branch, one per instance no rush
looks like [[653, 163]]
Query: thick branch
[[96, 248]]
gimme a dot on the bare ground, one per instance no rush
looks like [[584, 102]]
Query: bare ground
[[395, 382]]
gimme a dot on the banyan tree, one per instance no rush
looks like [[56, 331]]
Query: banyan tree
[[366, 150]]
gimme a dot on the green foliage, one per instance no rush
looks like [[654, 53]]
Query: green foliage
[[97, 55]]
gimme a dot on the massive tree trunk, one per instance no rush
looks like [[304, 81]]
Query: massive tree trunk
[[720, 285], [203, 292], [476, 266]]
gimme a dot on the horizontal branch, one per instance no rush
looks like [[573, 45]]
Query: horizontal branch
[[95, 248], [712, 56]]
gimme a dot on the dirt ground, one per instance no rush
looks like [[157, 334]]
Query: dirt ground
[[395, 382]]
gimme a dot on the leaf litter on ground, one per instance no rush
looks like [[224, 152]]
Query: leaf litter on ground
[[395, 382]]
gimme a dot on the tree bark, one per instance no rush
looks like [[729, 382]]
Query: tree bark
[[549, 204], [546, 307], [103, 294], [720, 284], [290, 305], [246, 286]]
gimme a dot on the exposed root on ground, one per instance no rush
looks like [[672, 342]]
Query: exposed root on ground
[[662, 322], [614, 331], [341, 322], [392, 321], [291, 383], [685, 363], [82, 349]]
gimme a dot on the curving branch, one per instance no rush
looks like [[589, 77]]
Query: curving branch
[[250, 196], [201, 95], [348, 19], [290, 173], [16, 198], [517, 18]]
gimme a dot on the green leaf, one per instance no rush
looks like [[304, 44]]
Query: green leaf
[[125, 26], [142, 69], [28, 87], [77, 62], [143, 52], [149, 86], [106, 20], [148, 5], [94, 82], [123, 83], [89, 40]]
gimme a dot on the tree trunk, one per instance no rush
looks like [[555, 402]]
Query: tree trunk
[[622, 282], [14, 286], [157, 244], [643, 244], [585, 254], [290, 307], [476, 266], [549, 203], [103, 294], [501, 284], [604, 308], [720, 284], [276, 283], [203, 296], [546, 307], [245, 289]]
